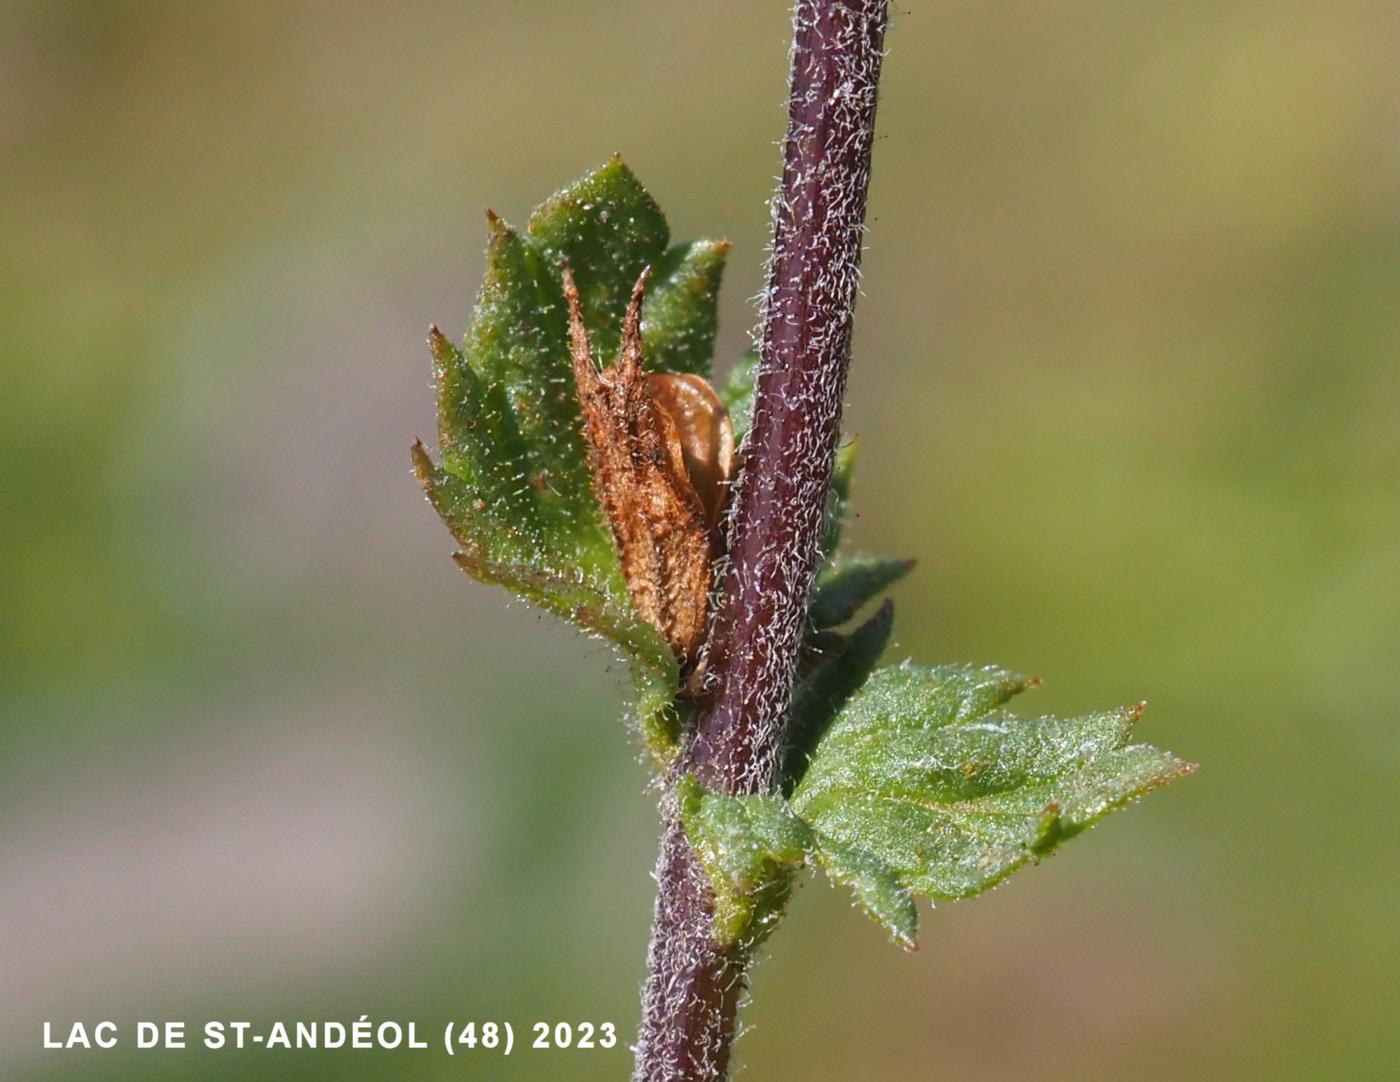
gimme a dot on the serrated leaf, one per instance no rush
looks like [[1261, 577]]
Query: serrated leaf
[[751, 848], [513, 484], [923, 771], [885, 900], [847, 583]]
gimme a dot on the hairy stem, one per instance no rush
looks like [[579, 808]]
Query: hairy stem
[[693, 986], [813, 278]]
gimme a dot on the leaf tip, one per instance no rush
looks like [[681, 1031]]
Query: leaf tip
[[614, 170], [709, 252], [422, 465], [906, 939], [438, 344]]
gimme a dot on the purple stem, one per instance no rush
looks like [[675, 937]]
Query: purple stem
[[693, 987]]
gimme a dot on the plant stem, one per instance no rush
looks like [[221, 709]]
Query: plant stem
[[693, 986]]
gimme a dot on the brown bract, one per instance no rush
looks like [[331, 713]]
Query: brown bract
[[661, 450]]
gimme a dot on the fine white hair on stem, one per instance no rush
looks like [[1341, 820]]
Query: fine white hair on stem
[[694, 986]]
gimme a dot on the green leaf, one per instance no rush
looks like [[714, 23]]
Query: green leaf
[[847, 583], [923, 772], [609, 228], [513, 484], [837, 667], [878, 890], [917, 783], [751, 848], [679, 315]]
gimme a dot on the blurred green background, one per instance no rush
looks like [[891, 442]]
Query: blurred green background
[[1126, 380]]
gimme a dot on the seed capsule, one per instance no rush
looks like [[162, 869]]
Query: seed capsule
[[704, 432], [661, 451]]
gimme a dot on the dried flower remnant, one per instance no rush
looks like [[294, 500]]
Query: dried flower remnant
[[705, 432], [661, 451]]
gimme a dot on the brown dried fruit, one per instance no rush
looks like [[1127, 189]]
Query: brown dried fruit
[[661, 450], [706, 436]]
